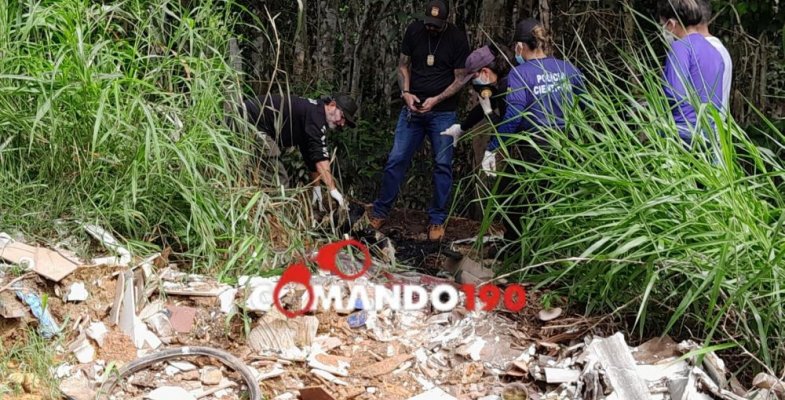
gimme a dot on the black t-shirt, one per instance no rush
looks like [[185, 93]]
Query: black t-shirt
[[292, 121], [450, 49]]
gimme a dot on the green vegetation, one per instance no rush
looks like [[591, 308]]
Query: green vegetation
[[647, 226], [30, 357], [114, 114]]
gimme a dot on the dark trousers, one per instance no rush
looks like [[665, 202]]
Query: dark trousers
[[517, 196]]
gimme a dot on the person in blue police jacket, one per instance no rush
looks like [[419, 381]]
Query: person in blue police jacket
[[540, 89]]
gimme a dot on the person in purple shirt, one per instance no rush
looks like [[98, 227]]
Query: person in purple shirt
[[693, 68], [540, 89]]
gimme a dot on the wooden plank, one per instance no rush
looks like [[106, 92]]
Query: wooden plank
[[47, 263], [616, 359]]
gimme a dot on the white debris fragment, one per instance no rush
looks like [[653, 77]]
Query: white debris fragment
[[170, 393], [434, 394], [286, 396], [83, 350], [227, 300], [63, 371], [328, 377], [182, 365], [77, 292], [110, 243], [97, 331]]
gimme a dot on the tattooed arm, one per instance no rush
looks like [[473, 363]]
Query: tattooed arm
[[404, 73]]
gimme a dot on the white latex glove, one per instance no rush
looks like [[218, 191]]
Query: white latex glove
[[485, 102], [317, 197], [455, 131], [338, 197], [489, 163]]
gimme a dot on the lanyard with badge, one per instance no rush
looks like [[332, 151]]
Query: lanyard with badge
[[430, 60]]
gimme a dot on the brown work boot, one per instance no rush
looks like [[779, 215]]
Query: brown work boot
[[376, 222], [435, 232]]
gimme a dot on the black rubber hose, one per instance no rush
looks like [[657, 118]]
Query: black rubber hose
[[147, 361]]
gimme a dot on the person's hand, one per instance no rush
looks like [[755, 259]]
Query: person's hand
[[317, 197], [455, 131], [338, 197], [428, 105], [411, 101], [489, 163]]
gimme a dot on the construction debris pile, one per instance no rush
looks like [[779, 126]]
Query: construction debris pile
[[141, 329]]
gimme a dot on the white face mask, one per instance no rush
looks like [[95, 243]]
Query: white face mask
[[667, 35]]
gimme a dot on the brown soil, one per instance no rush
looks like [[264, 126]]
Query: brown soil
[[117, 347]]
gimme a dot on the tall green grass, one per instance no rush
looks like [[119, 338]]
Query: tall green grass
[[651, 225], [114, 114]]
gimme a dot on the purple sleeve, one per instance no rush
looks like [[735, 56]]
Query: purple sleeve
[[518, 99], [675, 72]]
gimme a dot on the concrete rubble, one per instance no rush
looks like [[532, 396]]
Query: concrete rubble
[[357, 352]]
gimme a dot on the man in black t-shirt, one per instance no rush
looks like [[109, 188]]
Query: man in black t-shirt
[[295, 121], [430, 73]]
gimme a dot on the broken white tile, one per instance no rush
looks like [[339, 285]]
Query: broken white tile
[[328, 377], [433, 394], [84, 351], [97, 331], [170, 393], [77, 292], [227, 300], [182, 365], [63, 371]]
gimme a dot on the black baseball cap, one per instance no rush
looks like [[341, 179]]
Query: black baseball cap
[[524, 29], [349, 107], [436, 13]]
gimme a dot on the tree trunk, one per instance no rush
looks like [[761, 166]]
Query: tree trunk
[[300, 68], [545, 14]]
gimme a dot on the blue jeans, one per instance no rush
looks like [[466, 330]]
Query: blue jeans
[[409, 134]]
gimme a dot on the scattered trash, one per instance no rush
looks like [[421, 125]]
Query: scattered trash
[[160, 325], [328, 377], [109, 241], [385, 367], [181, 318], [211, 376], [357, 319], [50, 264], [77, 387], [10, 307], [97, 331], [315, 393], [183, 366], [47, 325], [77, 292], [227, 300], [434, 394], [473, 272], [770, 383], [83, 350], [170, 393], [549, 315], [614, 356]]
